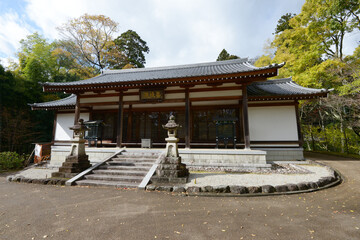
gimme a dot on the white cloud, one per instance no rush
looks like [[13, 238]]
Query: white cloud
[[177, 32], [13, 29]]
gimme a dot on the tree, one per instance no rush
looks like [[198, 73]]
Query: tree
[[283, 23], [37, 64], [133, 48], [330, 19], [262, 61], [89, 39], [224, 55]]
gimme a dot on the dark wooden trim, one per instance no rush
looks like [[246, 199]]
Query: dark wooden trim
[[129, 123], [298, 124], [199, 99], [210, 89], [54, 127], [274, 142], [241, 121], [77, 109], [120, 120], [187, 118], [245, 117], [270, 104], [287, 97]]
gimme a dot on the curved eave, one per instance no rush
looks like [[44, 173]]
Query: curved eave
[[240, 77], [53, 108], [289, 97]]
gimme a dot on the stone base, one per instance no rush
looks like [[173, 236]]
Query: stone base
[[157, 180], [72, 166], [225, 158], [171, 170]]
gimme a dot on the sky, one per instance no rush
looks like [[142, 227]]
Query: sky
[[177, 32]]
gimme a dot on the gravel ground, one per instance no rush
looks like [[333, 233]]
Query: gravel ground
[[280, 175], [37, 173], [313, 174]]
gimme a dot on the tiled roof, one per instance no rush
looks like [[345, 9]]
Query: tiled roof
[[172, 72], [280, 87], [65, 103], [257, 90]]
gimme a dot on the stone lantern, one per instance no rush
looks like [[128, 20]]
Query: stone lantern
[[170, 169], [172, 140], [77, 161]]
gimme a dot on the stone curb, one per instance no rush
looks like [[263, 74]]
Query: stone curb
[[255, 191], [43, 181]]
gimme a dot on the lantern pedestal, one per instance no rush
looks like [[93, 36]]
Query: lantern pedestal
[[170, 169], [77, 161]]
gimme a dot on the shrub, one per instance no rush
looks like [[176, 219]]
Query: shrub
[[11, 160]]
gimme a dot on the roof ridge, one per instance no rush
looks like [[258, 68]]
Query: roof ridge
[[181, 66], [55, 101], [274, 81]]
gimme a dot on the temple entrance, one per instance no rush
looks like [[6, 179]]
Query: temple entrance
[[209, 127]]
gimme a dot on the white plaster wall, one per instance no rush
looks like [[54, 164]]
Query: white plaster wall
[[63, 122], [273, 123], [215, 93], [99, 99], [210, 103]]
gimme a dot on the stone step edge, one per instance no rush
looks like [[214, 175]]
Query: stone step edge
[[106, 184], [231, 191], [119, 172], [118, 178]]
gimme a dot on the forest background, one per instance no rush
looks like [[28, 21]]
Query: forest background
[[311, 43]]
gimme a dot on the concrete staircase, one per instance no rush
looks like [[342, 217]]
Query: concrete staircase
[[125, 170]]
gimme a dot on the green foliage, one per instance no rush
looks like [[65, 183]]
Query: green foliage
[[283, 23], [329, 139], [224, 55], [262, 61], [133, 48], [11, 160]]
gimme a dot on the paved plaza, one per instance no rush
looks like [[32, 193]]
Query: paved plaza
[[32, 211]]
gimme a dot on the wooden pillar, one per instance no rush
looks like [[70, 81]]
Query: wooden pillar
[[129, 124], [54, 126], [120, 120], [187, 118], [245, 117], [77, 109], [298, 123]]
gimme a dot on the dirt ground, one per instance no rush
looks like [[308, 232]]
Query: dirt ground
[[31, 211]]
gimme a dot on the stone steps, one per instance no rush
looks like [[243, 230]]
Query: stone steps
[[130, 163], [110, 177], [106, 184], [129, 172], [134, 159], [122, 171], [120, 167]]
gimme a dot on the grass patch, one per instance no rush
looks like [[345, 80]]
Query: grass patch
[[354, 156]]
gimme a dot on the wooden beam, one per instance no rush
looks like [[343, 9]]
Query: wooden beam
[[245, 117], [129, 124], [120, 120], [271, 104], [298, 124], [54, 126], [77, 109], [187, 118]]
